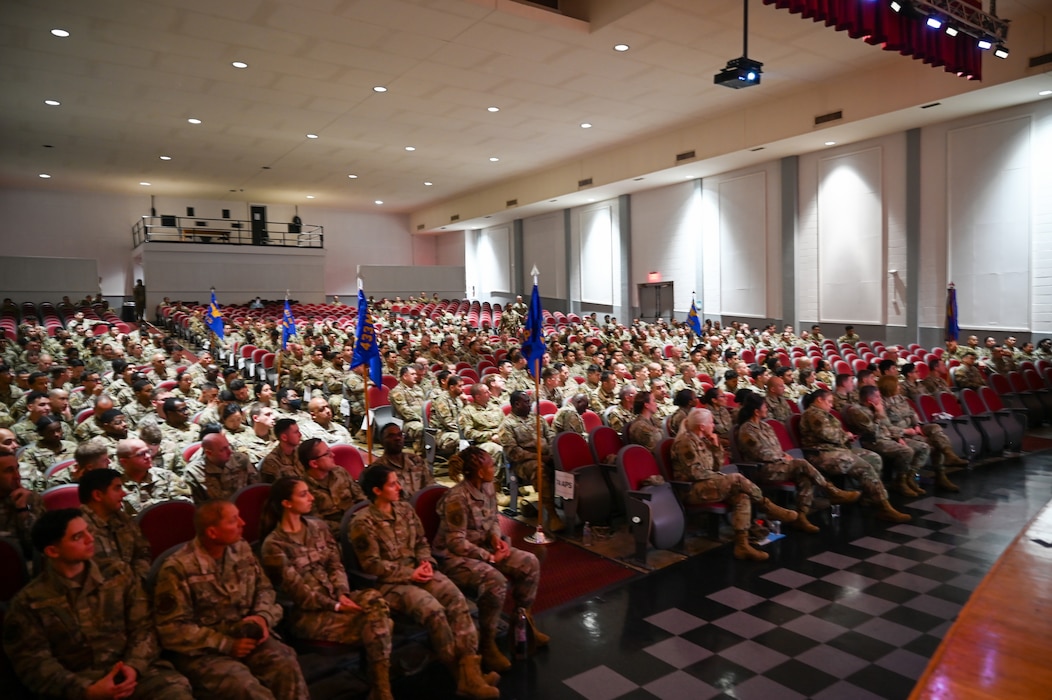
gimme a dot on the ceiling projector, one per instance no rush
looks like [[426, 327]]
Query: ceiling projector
[[739, 73]]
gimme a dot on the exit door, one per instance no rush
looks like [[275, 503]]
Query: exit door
[[655, 301], [259, 224]]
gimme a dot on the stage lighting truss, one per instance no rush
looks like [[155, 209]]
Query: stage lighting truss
[[959, 17]]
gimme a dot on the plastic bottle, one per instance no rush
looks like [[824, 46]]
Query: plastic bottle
[[586, 535], [521, 624]]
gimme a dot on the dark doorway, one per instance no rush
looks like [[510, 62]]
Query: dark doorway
[[259, 224], [655, 301]]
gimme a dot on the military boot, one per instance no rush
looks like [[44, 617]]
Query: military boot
[[914, 481], [950, 459], [776, 512], [944, 483], [470, 683], [803, 524], [888, 513], [838, 496], [491, 655], [744, 550], [380, 680], [539, 638], [902, 486]]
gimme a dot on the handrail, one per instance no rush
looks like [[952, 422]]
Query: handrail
[[189, 229]]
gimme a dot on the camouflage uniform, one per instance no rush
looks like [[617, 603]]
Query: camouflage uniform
[[199, 606], [36, 459], [411, 469], [602, 400], [332, 435], [391, 547], [277, 464], [445, 414], [934, 385], [119, 539], [10, 396], [307, 564], [968, 377], [758, 443], [778, 408], [647, 433], [255, 447], [677, 418], [354, 389], [136, 413], [826, 446], [19, 523], [180, 438], [619, 417], [208, 482], [902, 416], [333, 495], [158, 486], [62, 636], [911, 390], [519, 438], [722, 424], [481, 426], [464, 545], [408, 404], [842, 401], [568, 420], [697, 460], [877, 434], [519, 380], [314, 378]]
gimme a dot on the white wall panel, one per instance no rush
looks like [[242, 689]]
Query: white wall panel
[[666, 234], [851, 238], [743, 245], [544, 245], [596, 241], [450, 248], [989, 223], [493, 260]]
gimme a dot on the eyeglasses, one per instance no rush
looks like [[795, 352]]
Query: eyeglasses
[[326, 453], [142, 453]]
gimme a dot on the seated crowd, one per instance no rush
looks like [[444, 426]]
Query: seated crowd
[[128, 420]]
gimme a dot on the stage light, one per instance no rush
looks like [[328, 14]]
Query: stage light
[[896, 6], [985, 44], [951, 30], [1001, 51], [934, 22]]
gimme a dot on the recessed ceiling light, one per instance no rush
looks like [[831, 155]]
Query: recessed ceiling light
[[830, 143], [194, 121], [310, 196], [688, 177], [379, 88], [60, 33], [553, 200], [410, 148], [1044, 93], [494, 159], [621, 47], [52, 103], [428, 183], [312, 136], [145, 184], [166, 157], [239, 64], [353, 177], [586, 125], [378, 201], [591, 199], [44, 176], [493, 109]]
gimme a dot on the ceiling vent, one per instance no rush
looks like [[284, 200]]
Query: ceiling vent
[[512, 203], [455, 217], [1041, 60], [584, 183], [420, 227], [831, 117], [686, 155]]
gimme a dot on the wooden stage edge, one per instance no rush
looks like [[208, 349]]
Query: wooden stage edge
[[1001, 644]]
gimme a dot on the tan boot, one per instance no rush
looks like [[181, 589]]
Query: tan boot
[[839, 497], [470, 683], [539, 638], [744, 550], [803, 524], [555, 523], [777, 512], [944, 483], [914, 482], [503, 500], [491, 655], [902, 486], [380, 680], [891, 515], [950, 459]]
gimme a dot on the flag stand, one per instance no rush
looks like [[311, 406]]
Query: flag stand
[[534, 315]]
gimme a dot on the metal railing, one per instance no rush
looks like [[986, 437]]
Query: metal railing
[[188, 229]]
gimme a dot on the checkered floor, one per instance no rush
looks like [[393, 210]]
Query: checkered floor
[[854, 612]]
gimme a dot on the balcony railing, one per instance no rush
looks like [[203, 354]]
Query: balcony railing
[[188, 229]]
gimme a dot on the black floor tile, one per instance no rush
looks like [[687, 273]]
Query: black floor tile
[[713, 638], [798, 676], [889, 592], [935, 573], [871, 570], [882, 682], [720, 673], [861, 645], [824, 589], [773, 612], [924, 645], [842, 615], [914, 619], [785, 641], [951, 593], [908, 552], [811, 568]]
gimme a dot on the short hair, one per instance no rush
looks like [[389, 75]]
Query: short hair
[[210, 429], [477, 388], [388, 426], [517, 396], [374, 478], [684, 398], [169, 403], [729, 375], [35, 396], [255, 409], [45, 421], [816, 394], [138, 386], [282, 426], [864, 374], [640, 402], [305, 451], [96, 480], [111, 415], [405, 370], [842, 379], [885, 365], [51, 527], [867, 392], [88, 452], [150, 433], [208, 514], [888, 385], [908, 368]]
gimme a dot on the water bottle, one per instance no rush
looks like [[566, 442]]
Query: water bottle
[[586, 535], [834, 510], [521, 644]]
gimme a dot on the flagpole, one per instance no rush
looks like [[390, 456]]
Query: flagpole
[[538, 537], [368, 421], [215, 338]]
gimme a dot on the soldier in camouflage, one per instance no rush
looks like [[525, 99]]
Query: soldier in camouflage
[[904, 456], [144, 484], [827, 446], [902, 416], [568, 419], [472, 553], [445, 416], [302, 559], [480, 421], [518, 434], [116, 535], [19, 507], [389, 543], [407, 401], [215, 610], [220, 472], [76, 632], [413, 472], [332, 489]]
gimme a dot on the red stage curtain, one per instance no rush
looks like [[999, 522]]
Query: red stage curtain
[[876, 23]]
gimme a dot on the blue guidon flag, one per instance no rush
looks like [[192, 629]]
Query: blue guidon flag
[[953, 330], [215, 317], [365, 348], [534, 348], [693, 320], [288, 325]]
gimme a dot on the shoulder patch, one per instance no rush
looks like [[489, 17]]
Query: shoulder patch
[[361, 543], [166, 604]]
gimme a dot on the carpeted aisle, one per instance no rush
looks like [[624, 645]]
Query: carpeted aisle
[[567, 572]]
